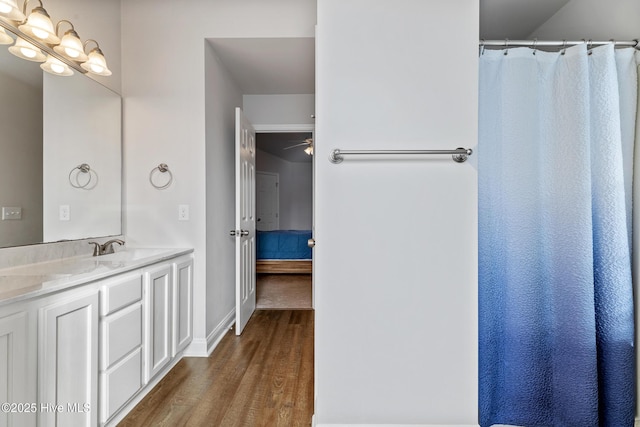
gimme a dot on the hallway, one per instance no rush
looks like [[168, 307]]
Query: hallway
[[262, 378]]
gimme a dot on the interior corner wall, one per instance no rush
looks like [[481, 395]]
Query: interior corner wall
[[165, 121], [222, 96], [592, 19]]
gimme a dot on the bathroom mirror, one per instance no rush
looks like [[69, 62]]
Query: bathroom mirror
[[49, 127]]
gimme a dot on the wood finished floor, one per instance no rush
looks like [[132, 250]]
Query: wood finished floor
[[283, 291], [262, 378]]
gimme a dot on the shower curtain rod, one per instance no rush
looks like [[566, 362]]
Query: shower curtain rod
[[555, 43]]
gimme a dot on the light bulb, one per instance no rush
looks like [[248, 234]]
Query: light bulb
[[5, 8], [96, 68], [41, 34], [72, 53], [29, 53], [57, 68]]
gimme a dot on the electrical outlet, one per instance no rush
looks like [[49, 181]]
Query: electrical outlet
[[183, 212], [65, 213], [11, 212]]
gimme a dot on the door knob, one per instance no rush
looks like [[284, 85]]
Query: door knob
[[244, 232], [311, 243]]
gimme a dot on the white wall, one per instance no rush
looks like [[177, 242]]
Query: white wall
[[165, 120], [21, 160], [396, 253], [273, 110], [221, 99], [295, 189]]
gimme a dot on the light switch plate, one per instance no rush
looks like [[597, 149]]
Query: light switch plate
[[11, 212]]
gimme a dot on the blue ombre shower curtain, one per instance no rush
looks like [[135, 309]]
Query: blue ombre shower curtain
[[556, 297]]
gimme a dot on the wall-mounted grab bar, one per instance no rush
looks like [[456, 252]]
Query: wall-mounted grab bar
[[458, 155]]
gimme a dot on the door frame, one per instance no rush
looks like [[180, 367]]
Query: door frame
[[292, 128]]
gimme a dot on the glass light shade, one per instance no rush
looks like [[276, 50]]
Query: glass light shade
[[96, 64], [57, 67], [39, 26], [71, 47], [25, 50], [9, 10], [4, 37]]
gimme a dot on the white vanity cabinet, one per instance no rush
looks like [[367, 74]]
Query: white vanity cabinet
[[85, 351], [68, 359], [182, 304], [121, 339], [159, 318], [18, 366]]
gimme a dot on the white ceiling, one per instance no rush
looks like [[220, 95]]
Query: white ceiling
[[263, 66]]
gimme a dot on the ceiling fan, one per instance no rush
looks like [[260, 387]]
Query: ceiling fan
[[308, 143]]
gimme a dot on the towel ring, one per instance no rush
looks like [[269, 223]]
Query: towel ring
[[162, 168], [83, 168]]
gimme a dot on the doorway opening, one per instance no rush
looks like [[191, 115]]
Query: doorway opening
[[284, 220]]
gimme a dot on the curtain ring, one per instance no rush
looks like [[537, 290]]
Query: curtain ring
[[481, 47], [564, 47], [83, 168], [589, 47], [535, 45], [161, 168], [506, 46]]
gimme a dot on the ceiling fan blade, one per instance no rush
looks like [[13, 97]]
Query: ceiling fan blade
[[296, 145]]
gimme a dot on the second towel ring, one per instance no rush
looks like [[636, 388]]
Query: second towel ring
[[83, 168], [162, 168]]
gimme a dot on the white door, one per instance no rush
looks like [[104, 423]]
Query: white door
[[267, 205], [245, 230]]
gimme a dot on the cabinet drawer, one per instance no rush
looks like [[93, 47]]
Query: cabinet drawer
[[119, 384], [121, 293], [121, 333]]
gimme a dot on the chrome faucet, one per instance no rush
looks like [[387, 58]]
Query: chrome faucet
[[106, 247]]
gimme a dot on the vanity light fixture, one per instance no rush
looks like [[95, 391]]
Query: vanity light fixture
[[57, 67], [36, 34], [4, 37], [39, 25], [25, 50], [96, 63], [9, 9], [70, 45]]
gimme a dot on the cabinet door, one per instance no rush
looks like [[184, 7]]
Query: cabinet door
[[68, 361], [158, 323], [182, 304], [17, 369]]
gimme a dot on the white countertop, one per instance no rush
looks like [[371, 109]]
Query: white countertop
[[34, 280]]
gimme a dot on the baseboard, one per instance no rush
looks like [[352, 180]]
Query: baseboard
[[203, 347], [219, 331]]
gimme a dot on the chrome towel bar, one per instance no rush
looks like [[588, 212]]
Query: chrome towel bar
[[458, 155]]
